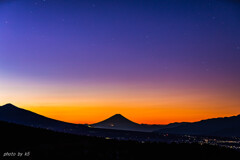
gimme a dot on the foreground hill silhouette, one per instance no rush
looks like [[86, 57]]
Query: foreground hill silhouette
[[46, 144], [227, 126]]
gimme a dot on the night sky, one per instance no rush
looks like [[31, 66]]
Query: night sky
[[154, 61]]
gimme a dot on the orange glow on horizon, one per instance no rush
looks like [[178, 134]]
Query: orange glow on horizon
[[91, 103], [90, 115]]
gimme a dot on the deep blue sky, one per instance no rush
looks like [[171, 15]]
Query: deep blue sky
[[158, 43], [119, 39]]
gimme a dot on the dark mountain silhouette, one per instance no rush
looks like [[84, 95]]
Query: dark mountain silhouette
[[119, 122], [227, 126], [45, 144], [13, 114]]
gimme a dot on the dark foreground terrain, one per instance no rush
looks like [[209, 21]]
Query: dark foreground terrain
[[43, 144]]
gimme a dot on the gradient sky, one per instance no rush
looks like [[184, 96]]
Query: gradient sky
[[154, 61]]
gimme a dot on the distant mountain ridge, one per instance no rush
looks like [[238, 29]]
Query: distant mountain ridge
[[13, 114], [227, 126]]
